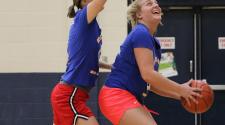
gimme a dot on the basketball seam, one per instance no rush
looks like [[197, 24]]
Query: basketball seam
[[204, 99]]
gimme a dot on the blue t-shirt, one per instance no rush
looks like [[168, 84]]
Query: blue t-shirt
[[84, 46], [125, 72]]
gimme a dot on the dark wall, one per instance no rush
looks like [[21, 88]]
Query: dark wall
[[25, 100], [189, 2]]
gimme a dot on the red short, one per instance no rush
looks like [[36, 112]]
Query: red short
[[113, 102], [68, 104]]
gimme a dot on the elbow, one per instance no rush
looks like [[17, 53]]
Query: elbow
[[99, 9], [150, 76], [99, 6], [102, 8], [147, 75]]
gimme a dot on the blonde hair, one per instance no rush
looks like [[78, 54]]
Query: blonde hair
[[132, 10]]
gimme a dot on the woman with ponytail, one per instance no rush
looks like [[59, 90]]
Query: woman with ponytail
[[70, 95]]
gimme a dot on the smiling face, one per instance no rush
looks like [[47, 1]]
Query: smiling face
[[150, 12]]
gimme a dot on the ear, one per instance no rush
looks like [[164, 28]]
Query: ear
[[138, 15], [83, 2]]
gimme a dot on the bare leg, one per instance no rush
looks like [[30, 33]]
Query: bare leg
[[137, 116], [91, 121]]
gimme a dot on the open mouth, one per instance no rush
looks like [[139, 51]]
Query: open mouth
[[156, 11]]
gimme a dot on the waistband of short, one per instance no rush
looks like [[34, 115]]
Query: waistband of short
[[72, 85]]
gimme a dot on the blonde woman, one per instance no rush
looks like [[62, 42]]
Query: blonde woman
[[70, 95], [135, 67]]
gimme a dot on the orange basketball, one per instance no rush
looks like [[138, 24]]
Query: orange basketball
[[204, 103]]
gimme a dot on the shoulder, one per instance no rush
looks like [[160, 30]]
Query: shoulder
[[81, 17], [141, 38], [139, 31], [82, 12]]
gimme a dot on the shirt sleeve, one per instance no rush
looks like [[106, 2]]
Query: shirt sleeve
[[82, 17], [142, 39]]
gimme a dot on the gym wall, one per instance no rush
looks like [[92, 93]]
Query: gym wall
[[34, 34], [33, 45]]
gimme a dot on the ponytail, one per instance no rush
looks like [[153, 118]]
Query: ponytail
[[71, 12]]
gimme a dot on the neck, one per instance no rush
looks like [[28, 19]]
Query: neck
[[151, 28]]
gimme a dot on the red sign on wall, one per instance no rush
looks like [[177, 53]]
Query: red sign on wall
[[167, 42], [221, 42]]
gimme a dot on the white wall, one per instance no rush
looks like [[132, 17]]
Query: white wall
[[114, 25], [33, 34]]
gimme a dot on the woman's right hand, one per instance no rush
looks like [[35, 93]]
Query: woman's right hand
[[189, 93]]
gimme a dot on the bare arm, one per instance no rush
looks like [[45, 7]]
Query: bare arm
[[145, 62], [165, 94], [169, 95], [104, 65], [93, 8], [166, 87]]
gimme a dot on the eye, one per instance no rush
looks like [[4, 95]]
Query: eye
[[149, 3]]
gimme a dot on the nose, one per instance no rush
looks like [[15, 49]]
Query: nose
[[156, 5]]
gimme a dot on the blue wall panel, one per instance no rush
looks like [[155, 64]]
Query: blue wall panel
[[25, 100]]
